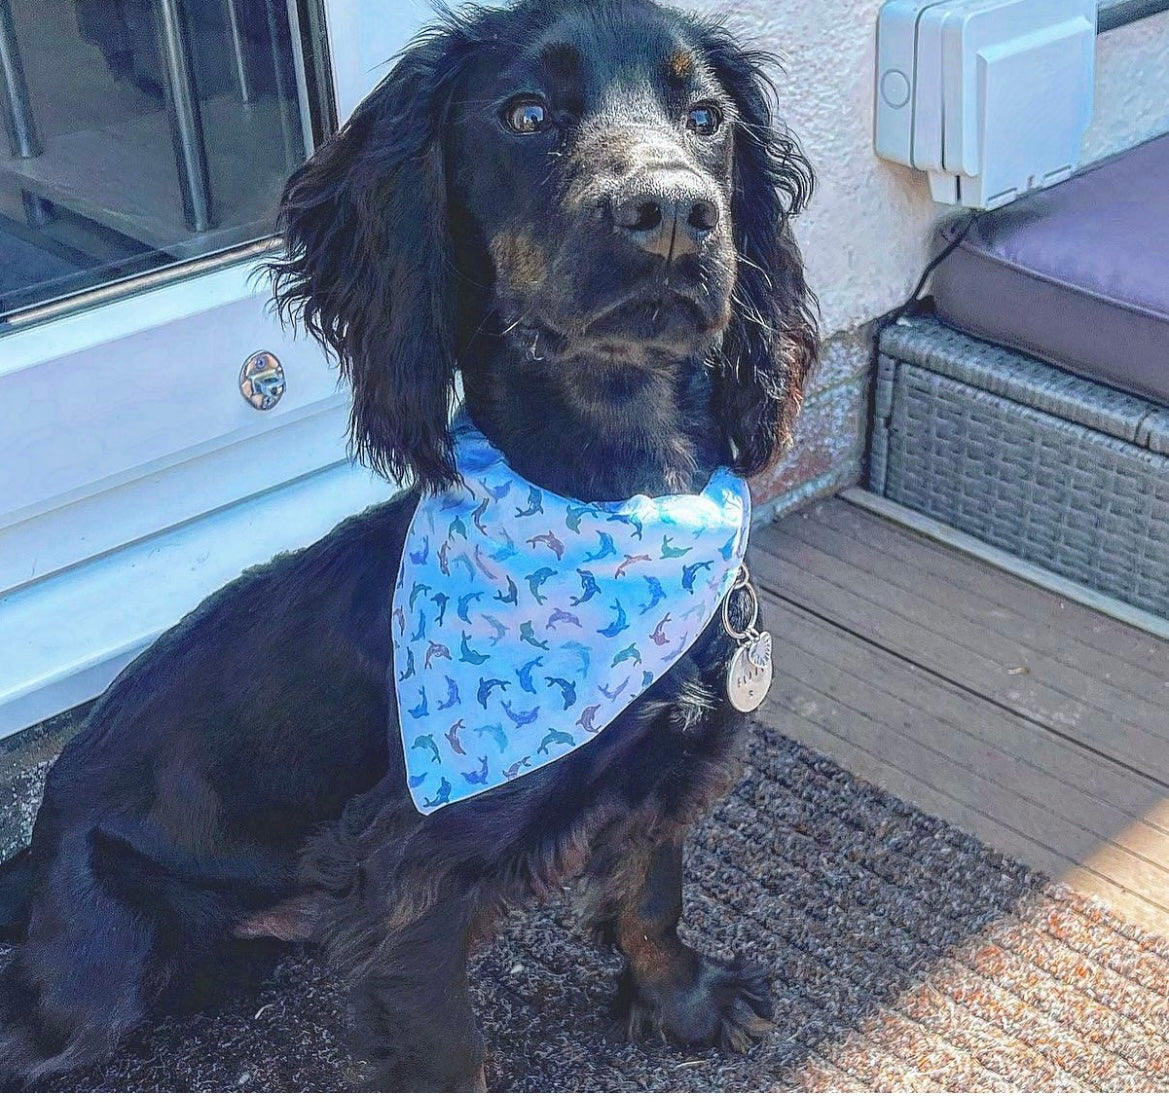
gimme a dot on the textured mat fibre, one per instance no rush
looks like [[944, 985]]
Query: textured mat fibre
[[904, 955]]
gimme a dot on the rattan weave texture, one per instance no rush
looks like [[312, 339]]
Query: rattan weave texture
[[1062, 472]]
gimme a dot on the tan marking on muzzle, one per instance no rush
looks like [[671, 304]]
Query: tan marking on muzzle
[[519, 259]]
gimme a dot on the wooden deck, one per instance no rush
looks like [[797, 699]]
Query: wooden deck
[[1035, 724]]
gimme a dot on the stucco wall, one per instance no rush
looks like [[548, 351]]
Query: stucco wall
[[866, 235]]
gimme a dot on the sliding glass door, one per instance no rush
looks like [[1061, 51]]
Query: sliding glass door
[[143, 134]]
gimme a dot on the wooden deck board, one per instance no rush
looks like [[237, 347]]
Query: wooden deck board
[[1034, 613], [1070, 828], [941, 717], [931, 634], [1009, 614], [1035, 724]]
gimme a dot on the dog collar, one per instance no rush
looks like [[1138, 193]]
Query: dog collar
[[524, 622]]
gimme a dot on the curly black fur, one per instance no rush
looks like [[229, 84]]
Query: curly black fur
[[239, 782]]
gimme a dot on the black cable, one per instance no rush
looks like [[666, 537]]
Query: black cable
[[915, 295], [908, 305]]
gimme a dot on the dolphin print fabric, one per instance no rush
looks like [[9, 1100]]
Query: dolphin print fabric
[[524, 622]]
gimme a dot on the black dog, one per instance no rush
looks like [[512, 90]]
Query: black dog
[[583, 210]]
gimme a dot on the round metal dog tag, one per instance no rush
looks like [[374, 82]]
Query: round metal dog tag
[[750, 672]]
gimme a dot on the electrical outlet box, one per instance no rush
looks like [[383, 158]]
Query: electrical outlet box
[[990, 97]]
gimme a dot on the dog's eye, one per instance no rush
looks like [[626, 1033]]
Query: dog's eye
[[526, 116], [704, 119]]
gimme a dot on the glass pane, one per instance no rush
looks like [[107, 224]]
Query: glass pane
[[140, 133]]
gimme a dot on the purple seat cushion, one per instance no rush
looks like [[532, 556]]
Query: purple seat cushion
[[1077, 275]]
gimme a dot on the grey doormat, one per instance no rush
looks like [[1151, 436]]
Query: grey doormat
[[904, 954]]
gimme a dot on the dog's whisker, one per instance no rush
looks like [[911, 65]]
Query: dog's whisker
[[480, 329]]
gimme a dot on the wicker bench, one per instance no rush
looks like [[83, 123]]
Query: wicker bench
[[1061, 471]]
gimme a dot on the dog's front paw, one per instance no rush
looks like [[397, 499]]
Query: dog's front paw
[[698, 1001]]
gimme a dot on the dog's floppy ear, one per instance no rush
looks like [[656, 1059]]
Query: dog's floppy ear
[[772, 342], [365, 264]]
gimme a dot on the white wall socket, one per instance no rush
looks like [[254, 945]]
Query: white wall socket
[[990, 97]]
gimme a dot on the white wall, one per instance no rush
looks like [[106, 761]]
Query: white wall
[[866, 235]]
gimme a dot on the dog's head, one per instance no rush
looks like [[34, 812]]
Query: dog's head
[[599, 183]]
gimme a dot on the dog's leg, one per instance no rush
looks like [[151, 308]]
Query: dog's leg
[[667, 987], [76, 985], [413, 1008]]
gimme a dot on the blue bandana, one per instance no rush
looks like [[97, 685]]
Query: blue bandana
[[524, 622]]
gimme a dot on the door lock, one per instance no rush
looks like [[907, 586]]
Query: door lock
[[261, 381]]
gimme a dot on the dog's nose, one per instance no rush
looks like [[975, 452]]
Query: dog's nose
[[669, 218]]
